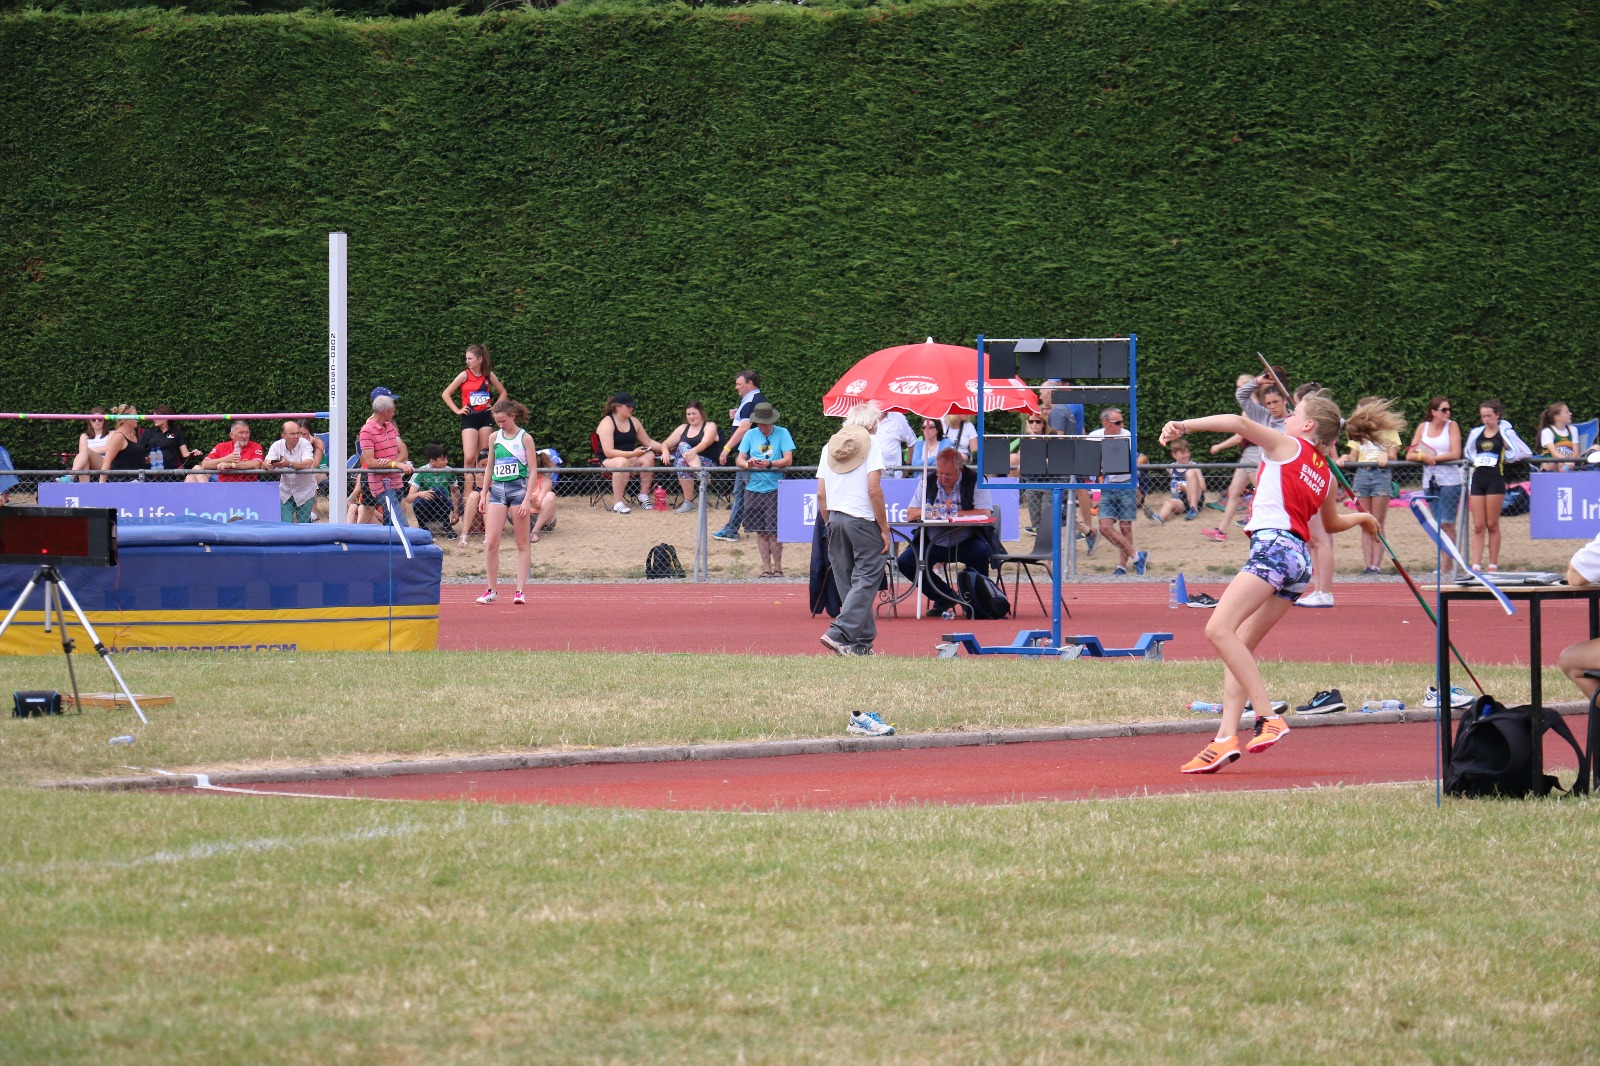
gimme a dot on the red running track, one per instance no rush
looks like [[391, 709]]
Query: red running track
[[1371, 623], [1010, 773]]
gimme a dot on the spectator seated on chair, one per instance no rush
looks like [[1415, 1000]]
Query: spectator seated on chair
[[951, 482], [434, 493], [92, 445], [123, 449], [689, 447], [626, 447], [165, 444], [237, 453]]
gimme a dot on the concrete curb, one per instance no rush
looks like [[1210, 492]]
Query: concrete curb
[[759, 749]]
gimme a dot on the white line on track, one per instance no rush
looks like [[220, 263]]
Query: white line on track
[[203, 783]]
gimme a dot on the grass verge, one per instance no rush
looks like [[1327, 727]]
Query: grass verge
[[1337, 925], [242, 711]]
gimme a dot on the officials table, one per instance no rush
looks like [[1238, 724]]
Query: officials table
[[1530, 598], [925, 564]]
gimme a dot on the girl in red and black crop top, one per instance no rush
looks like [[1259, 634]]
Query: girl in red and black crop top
[[480, 390]]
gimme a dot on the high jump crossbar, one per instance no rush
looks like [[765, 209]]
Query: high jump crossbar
[[23, 416]]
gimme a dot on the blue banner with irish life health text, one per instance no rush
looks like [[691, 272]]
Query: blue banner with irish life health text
[[154, 502]]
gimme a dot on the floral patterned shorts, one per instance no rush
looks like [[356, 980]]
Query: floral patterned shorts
[[1282, 560]]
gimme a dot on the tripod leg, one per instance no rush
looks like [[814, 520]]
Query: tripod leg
[[22, 599], [99, 647], [66, 642]]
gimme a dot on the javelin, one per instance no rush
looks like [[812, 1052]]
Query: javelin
[[23, 416], [1399, 567]]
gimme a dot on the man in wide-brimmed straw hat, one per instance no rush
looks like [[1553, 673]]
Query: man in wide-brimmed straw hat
[[766, 448], [850, 499]]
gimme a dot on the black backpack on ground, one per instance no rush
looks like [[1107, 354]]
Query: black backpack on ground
[[987, 598], [1490, 756], [663, 562], [1516, 501]]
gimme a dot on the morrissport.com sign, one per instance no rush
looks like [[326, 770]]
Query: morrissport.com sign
[[131, 648]]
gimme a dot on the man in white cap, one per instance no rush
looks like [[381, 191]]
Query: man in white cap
[[850, 499]]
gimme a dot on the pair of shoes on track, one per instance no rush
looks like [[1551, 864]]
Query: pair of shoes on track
[[490, 595], [1219, 753], [1315, 599]]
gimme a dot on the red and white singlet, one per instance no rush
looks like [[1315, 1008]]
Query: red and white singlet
[[1288, 493]]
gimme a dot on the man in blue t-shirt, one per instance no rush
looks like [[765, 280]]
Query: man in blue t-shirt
[[765, 451]]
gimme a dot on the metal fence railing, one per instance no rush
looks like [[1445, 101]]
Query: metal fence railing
[[712, 494]]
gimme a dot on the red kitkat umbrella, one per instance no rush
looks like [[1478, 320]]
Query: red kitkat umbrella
[[928, 379]]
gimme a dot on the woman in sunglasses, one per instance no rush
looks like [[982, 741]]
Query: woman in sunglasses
[[1436, 444], [930, 444], [92, 445], [1036, 500]]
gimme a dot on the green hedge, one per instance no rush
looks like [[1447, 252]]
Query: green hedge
[[1396, 198]]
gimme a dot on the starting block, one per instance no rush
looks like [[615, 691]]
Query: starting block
[[1148, 647], [1038, 642], [1028, 642]]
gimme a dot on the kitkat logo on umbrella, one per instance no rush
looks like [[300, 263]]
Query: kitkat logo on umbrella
[[856, 387], [918, 386]]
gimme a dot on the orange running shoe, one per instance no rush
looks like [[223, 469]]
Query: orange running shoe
[[1213, 757], [1269, 730]]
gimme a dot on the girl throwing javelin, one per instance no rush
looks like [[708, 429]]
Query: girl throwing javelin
[[511, 449], [1292, 484]]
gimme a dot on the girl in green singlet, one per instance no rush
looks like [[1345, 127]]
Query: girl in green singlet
[[510, 454]]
